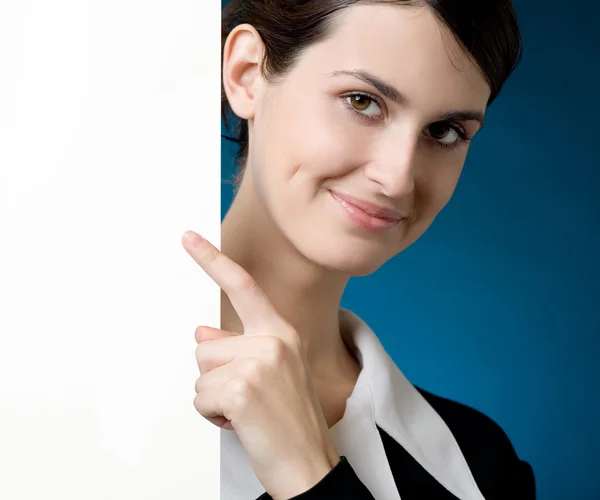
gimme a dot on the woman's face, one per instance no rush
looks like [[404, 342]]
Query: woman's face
[[377, 112]]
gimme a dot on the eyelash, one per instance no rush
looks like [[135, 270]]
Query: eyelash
[[463, 136]]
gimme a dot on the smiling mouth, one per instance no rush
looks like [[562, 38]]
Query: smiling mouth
[[368, 219]]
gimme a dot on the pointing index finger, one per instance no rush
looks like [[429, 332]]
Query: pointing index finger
[[257, 313]]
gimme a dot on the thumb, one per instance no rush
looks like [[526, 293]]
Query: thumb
[[204, 333]]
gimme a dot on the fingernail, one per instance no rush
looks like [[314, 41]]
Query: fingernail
[[193, 239]]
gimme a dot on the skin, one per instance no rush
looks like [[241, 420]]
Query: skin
[[285, 240]]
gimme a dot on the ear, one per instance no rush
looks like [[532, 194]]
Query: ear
[[242, 58]]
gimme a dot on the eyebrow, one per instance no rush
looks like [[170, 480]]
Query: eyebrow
[[396, 96]]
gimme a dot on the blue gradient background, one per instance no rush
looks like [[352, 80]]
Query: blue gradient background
[[496, 306]]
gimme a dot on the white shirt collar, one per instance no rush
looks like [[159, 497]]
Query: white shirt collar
[[381, 397], [400, 410]]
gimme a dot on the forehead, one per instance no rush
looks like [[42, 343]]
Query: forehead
[[409, 48]]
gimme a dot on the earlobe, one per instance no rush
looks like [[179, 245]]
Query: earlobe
[[242, 58]]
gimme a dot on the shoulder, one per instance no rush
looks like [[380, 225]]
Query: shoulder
[[487, 449], [472, 426]]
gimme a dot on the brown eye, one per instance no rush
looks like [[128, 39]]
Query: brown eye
[[360, 102], [439, 130], [364, 104], [444, 133]]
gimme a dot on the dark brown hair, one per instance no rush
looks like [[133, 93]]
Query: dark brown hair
[[486, 29]]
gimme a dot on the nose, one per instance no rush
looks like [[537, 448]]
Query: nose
[[394, 163]]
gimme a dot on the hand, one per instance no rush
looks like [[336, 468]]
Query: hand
[[259, 384]]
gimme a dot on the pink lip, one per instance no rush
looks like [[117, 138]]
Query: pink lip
[[367, 216], [370, 208]]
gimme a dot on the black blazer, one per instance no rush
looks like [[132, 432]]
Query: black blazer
[[498, 471]]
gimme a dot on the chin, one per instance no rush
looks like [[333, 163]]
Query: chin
[[352, 256], [354, 267], [358, 271], [347, 260]]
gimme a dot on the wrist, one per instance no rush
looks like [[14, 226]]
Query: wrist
[[301, 476]]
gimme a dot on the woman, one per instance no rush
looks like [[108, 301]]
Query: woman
[[356, 118]]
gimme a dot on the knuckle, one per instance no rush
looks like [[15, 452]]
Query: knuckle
[[295, 342], [245, 283], [239, 392], [198, 404], [212, 254], [202, 358], [202, 405], [275, 349], [251, 372]]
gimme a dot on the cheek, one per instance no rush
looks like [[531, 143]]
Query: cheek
[[308, 144]]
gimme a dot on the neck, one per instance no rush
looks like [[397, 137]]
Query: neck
[[307, 295]]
